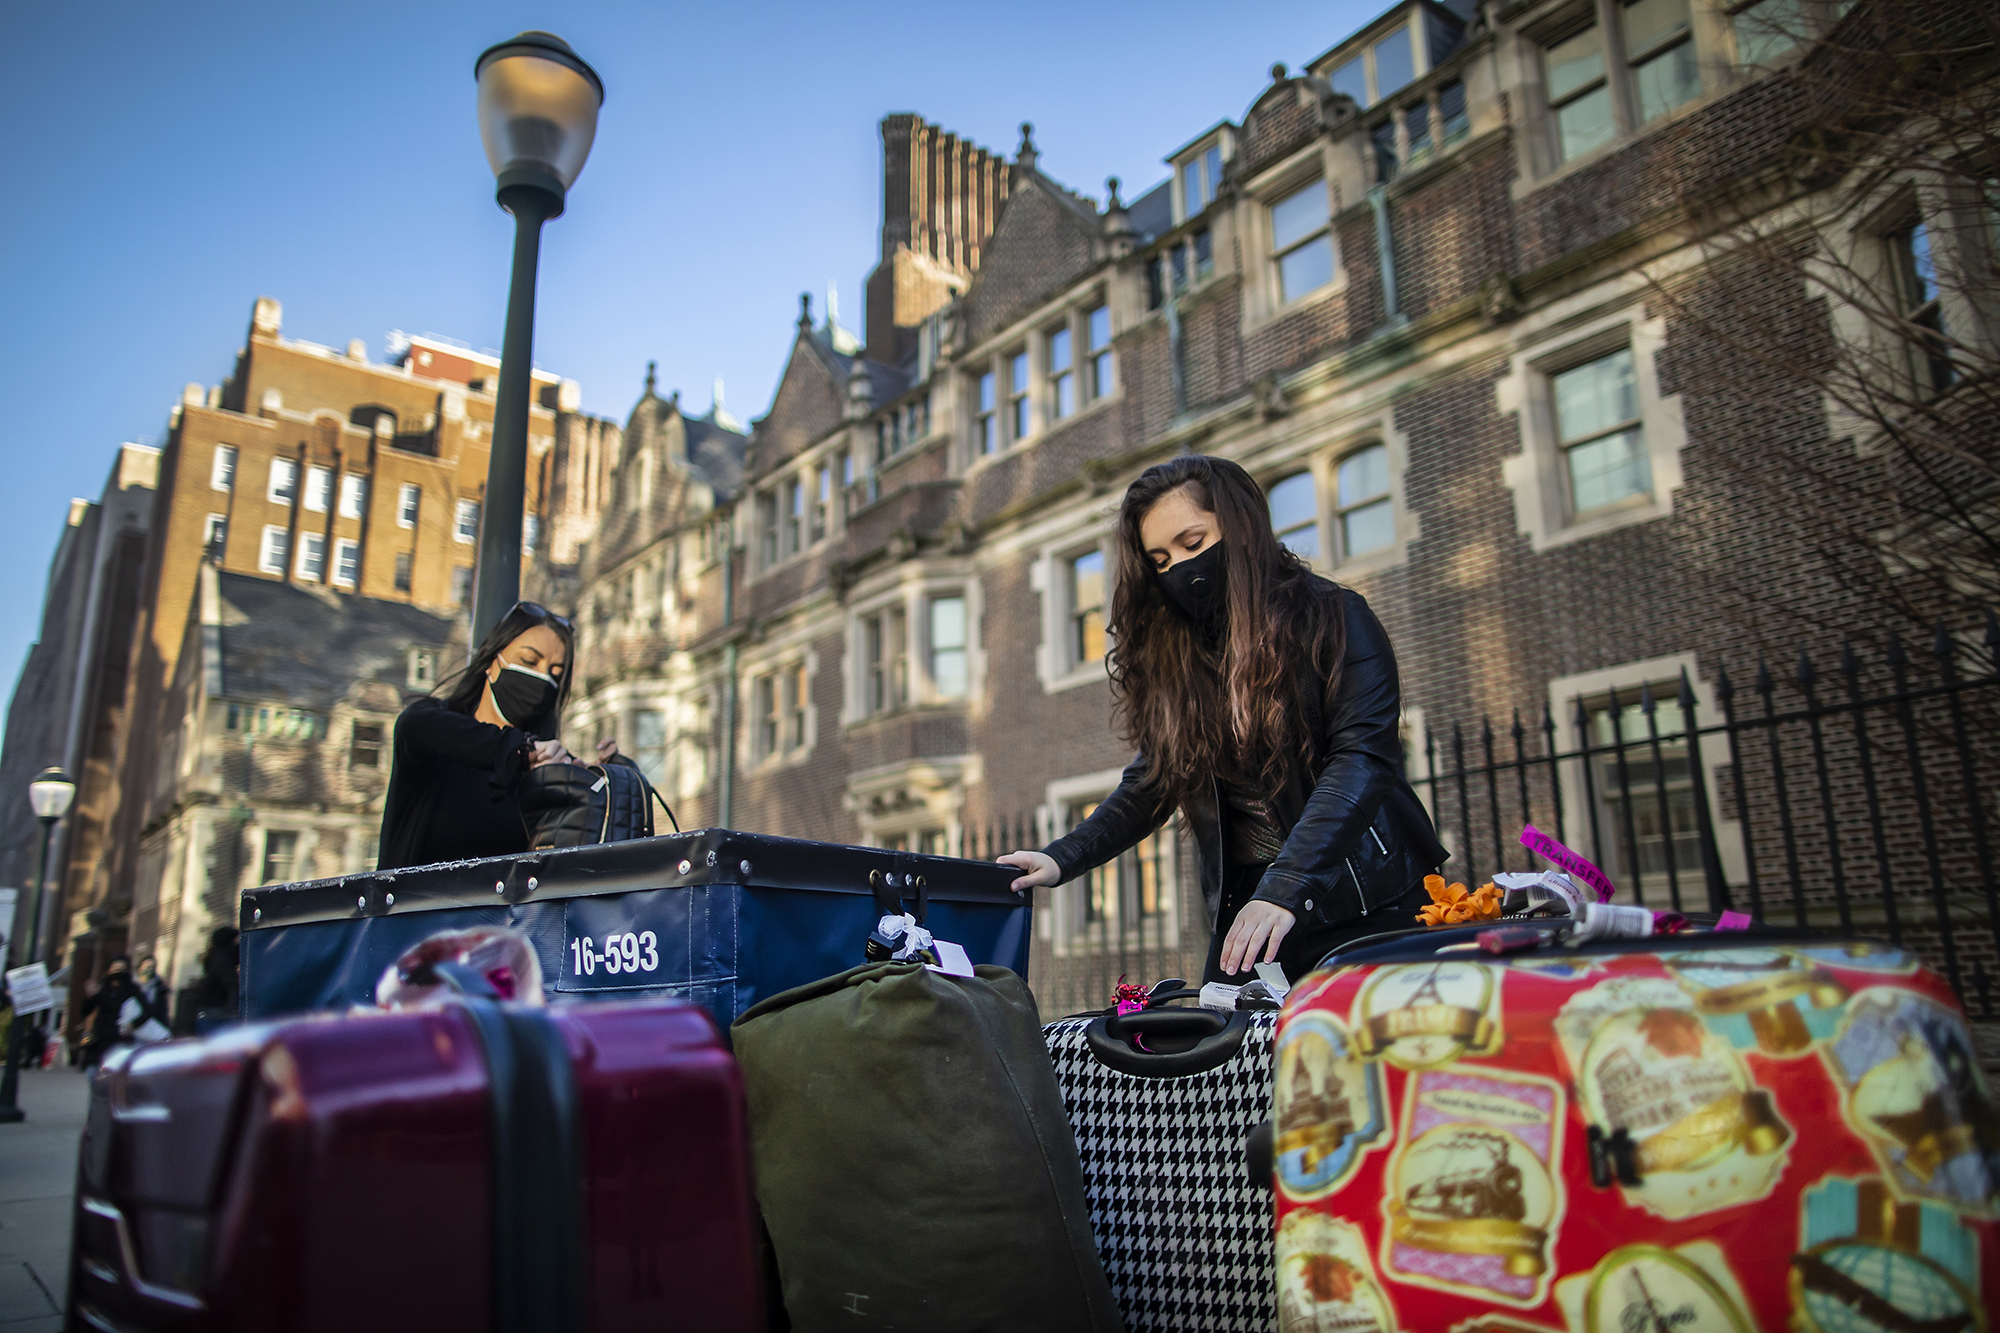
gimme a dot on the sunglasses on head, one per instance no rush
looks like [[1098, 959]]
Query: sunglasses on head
[[543, 614]]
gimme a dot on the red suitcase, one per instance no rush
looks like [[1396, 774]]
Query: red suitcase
[[1698, 1132], [478, 1166]]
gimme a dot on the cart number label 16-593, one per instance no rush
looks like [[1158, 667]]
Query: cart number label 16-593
[[625, 951]]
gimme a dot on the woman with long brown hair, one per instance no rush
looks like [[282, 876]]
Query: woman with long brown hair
[[1265, 706]]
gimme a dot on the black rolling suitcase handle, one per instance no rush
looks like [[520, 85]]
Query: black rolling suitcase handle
[[538, 1283], [1178, 1042]]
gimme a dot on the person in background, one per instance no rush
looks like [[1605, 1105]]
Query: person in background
[[459, 753], [212, 1001], [1265, 705], [103, 1007], [143, 1017]]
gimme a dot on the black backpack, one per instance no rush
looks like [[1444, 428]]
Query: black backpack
[[577, 805]]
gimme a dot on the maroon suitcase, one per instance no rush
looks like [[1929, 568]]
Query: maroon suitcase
[[473, 1167]]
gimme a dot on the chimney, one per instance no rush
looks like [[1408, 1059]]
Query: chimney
[[266, 316]]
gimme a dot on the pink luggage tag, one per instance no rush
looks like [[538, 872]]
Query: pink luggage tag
[[1575, 863]]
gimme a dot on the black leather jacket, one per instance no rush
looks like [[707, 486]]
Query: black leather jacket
[[1355, 838]]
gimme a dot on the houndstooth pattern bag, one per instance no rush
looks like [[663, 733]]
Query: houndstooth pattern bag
[[1185, 1239]]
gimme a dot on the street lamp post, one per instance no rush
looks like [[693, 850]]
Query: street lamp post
[[538, 105], [49, 795]]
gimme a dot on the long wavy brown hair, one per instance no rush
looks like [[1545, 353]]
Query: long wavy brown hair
[[1194, 707]]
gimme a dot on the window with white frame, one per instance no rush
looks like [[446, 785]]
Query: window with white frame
[[353, 495], [1295, 514], [215, 535], [311, 557], [764, 703], [822, 504], [767, 525], [986, 417], [1366, 517], [1086, 607], [274, 550], [794, 678], [404, 560], [284, 482], [1913, 273], [346, 562], [1302, 241], [950, 677], [465, 522], [1061, 373], [409, 498], [1201, 176], [1591, 99], [1124, 902], [222, 468], [1018, 396], [649, 745], [1097, 336], [1454, 120], [319, 489], [531, 533], [885, 643], [795, 516], [1621, 745], [1599, 432], [281, 851]]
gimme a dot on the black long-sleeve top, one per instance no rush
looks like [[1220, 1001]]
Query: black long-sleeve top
[[451, 788]]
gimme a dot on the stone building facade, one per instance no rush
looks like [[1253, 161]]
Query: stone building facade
[[1416, 288]]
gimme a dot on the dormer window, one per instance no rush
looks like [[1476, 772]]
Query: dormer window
[[1201, 176], [1397, 57]]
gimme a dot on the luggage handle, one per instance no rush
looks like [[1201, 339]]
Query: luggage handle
[[1199, 1040]]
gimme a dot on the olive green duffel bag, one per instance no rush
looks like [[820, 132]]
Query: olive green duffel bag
[[912, 1157]]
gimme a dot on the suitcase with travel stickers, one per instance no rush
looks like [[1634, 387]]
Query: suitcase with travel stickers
[[1704, 1131]]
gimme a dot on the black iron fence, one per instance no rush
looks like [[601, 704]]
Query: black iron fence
[[1859, 804]]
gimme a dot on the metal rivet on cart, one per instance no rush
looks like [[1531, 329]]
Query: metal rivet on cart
[[499, 886], [1309, 904], [686, 866], [711, 858], [389, 898], [256, 914], [890, 879], [533, 883], [744, 866], [362, 902]]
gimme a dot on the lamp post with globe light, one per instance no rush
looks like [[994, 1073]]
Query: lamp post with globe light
[[538, 104], [49, 795]]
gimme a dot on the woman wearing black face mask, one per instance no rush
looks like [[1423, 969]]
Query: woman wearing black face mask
[[1265, 705], [458, 757]]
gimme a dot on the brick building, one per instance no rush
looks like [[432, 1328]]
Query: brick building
[[1415, 288], [314, 470]]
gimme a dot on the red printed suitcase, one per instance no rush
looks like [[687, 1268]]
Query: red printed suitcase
[[477, 1166], [1689, 1133]]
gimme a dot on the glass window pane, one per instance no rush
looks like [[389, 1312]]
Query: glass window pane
[[1204, 253], [1065, 396], [947, 622], [1585, 123], [1086, 581], [1451, 102], [986, 392], [1298, 215], [1574, 63], [1608, 470], [1306, 269], [1100, 327], [1666, 81], [1417, 124], [1059, 350], [1192, 201], [1595, 396], [1768, 30], [1352, 79], [1211, 170], [1922, 268], [1292, 501], [1369, 528], [1364, 476], [1385, 151], [1302, 541], [1649, 24], [1395, 66], [1018, 368]]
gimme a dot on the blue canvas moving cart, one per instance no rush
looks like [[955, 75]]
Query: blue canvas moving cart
[[713, 917]]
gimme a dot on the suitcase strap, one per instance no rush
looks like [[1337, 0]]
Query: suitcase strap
[[538, 1258]]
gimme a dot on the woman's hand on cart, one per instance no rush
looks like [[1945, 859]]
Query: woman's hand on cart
[[1041, 868], [1259, 926]]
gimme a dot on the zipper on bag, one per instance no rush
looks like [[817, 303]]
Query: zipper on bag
[[1378, 841], [1362, 897]]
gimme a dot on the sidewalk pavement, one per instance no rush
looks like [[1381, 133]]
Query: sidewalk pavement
[[37, 1182]]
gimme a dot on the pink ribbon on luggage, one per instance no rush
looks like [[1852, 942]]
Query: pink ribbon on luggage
[[1571, 862]]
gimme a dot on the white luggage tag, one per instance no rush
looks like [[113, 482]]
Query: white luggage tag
[[1216, 995], [953, 961], [1273, 975]]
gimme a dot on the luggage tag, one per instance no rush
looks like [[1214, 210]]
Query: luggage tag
[[953, 961]]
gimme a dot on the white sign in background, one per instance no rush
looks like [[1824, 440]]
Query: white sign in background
[[8, 897], [28, 987]]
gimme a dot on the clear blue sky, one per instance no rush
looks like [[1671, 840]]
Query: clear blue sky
[[169, 164]]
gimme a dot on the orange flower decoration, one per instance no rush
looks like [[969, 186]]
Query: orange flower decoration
[[1453, 905]]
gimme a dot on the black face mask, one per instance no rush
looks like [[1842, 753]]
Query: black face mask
[[523, 697], [1195, 588]]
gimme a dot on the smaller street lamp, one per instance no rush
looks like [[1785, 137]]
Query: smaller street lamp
[[538, 104], [49, 795]]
